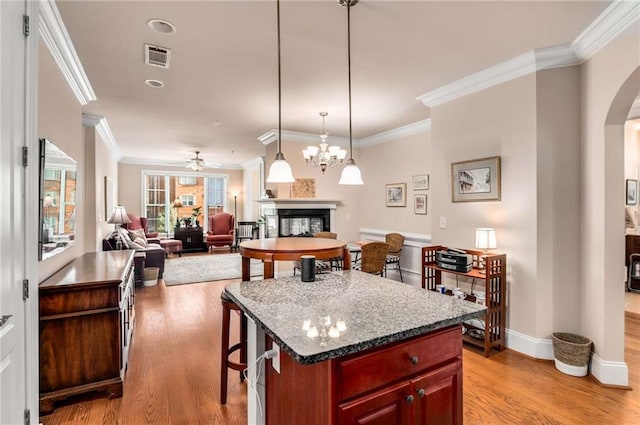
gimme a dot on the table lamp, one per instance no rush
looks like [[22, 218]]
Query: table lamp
[[177, 204], [119, 217], [485, 240]]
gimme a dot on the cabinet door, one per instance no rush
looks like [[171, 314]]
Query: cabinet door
[[438, 396], [389, 406]]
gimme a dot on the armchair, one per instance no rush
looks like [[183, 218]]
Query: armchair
[[138, 222], [221, 230]]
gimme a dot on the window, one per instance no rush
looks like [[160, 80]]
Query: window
[[187, 180], [195, 190]]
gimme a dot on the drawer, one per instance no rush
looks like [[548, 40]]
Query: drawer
[[380, 366]]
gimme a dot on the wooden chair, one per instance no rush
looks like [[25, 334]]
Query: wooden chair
[[246, 230], [395, 242], [321, 265], [373, 258]]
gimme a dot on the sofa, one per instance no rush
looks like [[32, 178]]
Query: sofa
[[154, 253]]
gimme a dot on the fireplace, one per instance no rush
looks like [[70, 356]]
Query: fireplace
[[303, 222]]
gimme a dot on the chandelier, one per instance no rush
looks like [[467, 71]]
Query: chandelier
[[197, 163], [325, 155]]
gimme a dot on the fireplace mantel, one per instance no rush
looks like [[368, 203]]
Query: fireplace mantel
[[269, 208], [300, 203]]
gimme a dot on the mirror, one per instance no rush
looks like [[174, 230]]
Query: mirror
[[57, 200]]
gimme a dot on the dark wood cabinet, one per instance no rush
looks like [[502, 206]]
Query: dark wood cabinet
[[632, 246], [87, 317], [192, 238], [416, 381]]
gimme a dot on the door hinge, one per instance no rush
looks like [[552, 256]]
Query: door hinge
[[25, 25], [25, 156], [25, 289], [27, 417]]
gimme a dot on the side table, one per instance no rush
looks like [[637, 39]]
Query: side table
[[138, 266]]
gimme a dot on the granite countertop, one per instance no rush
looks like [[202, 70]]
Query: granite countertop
[[374, 310]]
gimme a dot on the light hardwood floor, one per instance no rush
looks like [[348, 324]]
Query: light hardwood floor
[[173, 376]]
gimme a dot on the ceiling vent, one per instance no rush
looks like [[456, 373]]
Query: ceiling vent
[[157, 56]]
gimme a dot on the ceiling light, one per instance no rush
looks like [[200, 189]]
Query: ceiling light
[[161, 26], [280, 170], [325, 155], [156, 84], [197, 163], [350, 173]]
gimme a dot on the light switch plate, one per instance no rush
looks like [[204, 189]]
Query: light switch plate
[[443, 222]]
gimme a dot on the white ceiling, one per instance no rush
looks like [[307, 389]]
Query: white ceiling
[[224, 65]]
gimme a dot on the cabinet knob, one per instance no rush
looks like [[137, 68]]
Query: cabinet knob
[[409, 399], [414, 360], [420, 392]]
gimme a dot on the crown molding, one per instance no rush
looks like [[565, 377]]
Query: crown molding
[[178, 164], [386, 136], [396, 133], [252, 163], [102, 127], [528, 63], [55, 36], [607, 26]]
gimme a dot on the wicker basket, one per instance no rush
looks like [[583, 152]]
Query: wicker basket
[[571, 352]]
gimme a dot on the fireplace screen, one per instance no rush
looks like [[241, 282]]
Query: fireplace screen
[[302, 222]]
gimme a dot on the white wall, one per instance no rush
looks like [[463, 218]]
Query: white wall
[[610, 81], [60, 121]]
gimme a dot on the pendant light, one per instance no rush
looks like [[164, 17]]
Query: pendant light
[[350, 173], [280, 170]]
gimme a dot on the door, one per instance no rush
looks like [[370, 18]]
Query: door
[[19, 224], [438, 396], [389, 406]]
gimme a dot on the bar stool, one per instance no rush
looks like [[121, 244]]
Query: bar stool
[[226, 351]]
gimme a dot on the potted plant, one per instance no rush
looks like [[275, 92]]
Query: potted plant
[[195, 215]]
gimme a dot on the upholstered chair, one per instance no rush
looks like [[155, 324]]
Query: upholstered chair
[[221, 230], [395, 242], [138, 222]]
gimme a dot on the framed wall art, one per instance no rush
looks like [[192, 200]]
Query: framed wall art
[[632, 192], [476, 180], [396, 195], [420, 204], [421, 182], [303, 188]]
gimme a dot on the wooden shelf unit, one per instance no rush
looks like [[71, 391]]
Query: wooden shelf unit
[[494, 277]]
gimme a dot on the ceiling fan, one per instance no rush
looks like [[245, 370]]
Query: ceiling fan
[[197, 163]]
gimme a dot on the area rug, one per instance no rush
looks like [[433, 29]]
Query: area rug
[[205, 268]]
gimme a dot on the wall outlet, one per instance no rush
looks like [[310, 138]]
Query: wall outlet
[[443, 222], [275, 362]]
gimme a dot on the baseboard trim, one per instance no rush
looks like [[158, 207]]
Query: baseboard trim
[[605, 373]]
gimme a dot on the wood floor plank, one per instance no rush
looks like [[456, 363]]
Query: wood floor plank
[[173, 375]]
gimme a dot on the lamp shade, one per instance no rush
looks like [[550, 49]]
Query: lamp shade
[[351, 174], [119, 216], [47, 202], [485, 238], [280, 172], [177, 203]]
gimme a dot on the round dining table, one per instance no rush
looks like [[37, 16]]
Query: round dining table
[[283, 249]]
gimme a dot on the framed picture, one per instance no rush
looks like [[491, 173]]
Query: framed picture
[[476, 180], [420, 204], [303, 188], [396, 194], [632, 192], [421, 182]]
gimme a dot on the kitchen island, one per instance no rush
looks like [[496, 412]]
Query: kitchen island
[[354, 349]]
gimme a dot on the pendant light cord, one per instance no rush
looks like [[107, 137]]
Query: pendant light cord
[[349, 71], [279, 87]]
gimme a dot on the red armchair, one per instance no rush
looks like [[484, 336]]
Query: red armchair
[[138, 222], [221, 230]]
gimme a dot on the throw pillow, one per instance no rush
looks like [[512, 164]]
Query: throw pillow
[[138, 234], [125, 237]]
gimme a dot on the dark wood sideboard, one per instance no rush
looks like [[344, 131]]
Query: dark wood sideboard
[[192, 238], [86, 323]]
